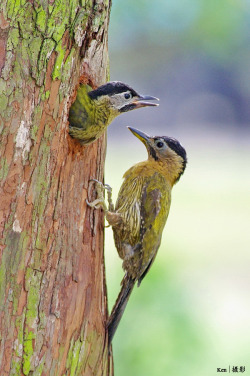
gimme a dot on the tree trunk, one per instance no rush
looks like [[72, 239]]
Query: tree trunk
[[53, 304]]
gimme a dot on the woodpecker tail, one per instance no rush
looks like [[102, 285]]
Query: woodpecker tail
[[119, 307]]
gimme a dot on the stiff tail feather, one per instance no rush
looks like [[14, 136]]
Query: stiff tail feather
[[119, 307]]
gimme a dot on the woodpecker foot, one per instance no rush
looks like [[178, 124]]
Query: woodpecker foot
[[99, 202], [109, 194]]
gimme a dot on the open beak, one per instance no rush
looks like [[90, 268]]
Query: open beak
[[140, 101], [143, 137]]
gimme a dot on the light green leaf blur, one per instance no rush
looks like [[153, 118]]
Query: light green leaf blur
[[191, 314]]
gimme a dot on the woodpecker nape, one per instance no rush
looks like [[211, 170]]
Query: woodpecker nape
[[141, 212], [94, 110]]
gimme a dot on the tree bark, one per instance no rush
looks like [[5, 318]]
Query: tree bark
[[53, 304]]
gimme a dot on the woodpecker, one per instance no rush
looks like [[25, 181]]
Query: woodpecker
[[94, 110], [141, 212]]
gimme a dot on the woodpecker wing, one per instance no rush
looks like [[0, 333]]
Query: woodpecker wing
[[81, 108], [155, 204], [128, 205]]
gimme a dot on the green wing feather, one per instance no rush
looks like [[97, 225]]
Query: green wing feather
[[80, 109], [155, 204]]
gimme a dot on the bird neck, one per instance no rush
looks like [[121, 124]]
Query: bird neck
[[170, 169], [103, 112]]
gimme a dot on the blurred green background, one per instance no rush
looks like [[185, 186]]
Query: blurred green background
[[191, 314]]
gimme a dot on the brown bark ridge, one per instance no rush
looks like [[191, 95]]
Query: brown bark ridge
[[53, 304]]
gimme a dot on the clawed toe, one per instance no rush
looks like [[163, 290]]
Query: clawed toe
[[96, 181], [96, 204], [100, 202], [106, 186]]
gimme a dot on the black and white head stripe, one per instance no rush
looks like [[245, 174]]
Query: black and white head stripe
[[112, 88], [175, 146]]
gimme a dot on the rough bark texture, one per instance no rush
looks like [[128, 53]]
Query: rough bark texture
[[52, 284]]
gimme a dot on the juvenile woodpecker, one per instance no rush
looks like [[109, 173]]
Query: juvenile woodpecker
[[141, 212], [94, 110]]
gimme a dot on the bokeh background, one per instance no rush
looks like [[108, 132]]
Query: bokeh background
[[191, 314]]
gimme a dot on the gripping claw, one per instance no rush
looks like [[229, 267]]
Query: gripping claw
[[99, 202]]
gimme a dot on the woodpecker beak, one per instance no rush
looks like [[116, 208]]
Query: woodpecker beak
[[143, 137], [140, 101], [147, 140]]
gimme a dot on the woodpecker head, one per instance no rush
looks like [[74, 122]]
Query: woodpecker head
[[120, 97], [165, 150]]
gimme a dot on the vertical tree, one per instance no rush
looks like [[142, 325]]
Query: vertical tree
[[52, 283]]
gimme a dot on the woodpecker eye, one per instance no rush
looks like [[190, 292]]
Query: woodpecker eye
[[160, 144], [127, 95]]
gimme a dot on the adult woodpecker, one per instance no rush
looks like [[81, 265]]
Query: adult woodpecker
[[94, 110], [141, 212]]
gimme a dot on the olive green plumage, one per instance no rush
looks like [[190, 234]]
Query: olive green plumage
[[94, 110], [143, 204], [141, 212], [88, 118]]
